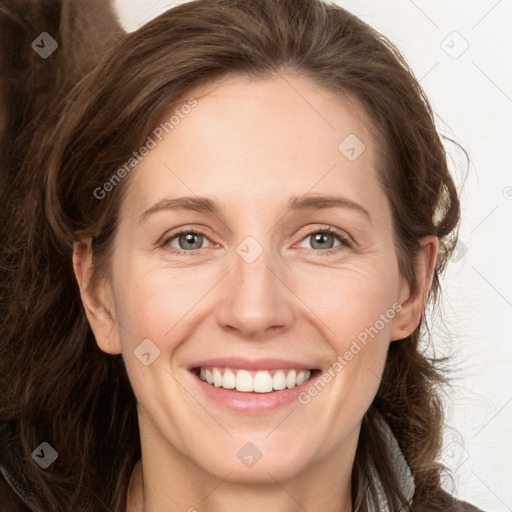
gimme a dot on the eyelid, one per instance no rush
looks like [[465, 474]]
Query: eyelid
[[343, 235]]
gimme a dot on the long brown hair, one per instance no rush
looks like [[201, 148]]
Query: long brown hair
[[57, 386]]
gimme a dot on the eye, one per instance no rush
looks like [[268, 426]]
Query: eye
[[185, 242], [323, 240]]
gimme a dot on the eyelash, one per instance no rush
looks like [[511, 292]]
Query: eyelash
[[342, 238]]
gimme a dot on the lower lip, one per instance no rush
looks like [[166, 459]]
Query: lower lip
[[251, 402]]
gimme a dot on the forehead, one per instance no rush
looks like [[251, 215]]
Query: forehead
[[249, 141]]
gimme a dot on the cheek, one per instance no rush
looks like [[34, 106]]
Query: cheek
[[154, 311], [158, 311], [351, 298], [152, 303], [356, 306]]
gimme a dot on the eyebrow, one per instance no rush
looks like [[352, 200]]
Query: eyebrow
[[296, 203]]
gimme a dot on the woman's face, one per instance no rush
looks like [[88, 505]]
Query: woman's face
[[252, 291]]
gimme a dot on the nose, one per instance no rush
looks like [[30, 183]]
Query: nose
[[259, 303]]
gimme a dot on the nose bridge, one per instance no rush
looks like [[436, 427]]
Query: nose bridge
[[257, 301]]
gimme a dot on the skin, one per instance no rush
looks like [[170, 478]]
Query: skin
[[250, 145]]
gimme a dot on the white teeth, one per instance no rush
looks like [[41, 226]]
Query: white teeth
[[229, 380], [261, 382], [291, 379], [244, 381], [217, 378], [279, 380]]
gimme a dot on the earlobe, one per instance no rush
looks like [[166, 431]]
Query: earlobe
[[412, 307], [96, 295]]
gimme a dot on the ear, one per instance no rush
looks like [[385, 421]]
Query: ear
[[97, 298], [409, 316]]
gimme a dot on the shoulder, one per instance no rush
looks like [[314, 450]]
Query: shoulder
[[452, 504], [12, 488], [463, 506], [456, 505], [9, 499]]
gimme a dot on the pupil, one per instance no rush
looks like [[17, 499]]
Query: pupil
[[319, 237], [189, 239]]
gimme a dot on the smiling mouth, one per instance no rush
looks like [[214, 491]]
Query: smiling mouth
[[256, 381]]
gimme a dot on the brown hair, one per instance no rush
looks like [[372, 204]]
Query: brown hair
[[61, 387]]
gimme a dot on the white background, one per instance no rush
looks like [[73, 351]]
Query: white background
[[471, 92]]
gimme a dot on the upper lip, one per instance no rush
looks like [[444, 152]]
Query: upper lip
[[242, 363]]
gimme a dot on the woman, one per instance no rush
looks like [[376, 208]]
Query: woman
[[253, 368]]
